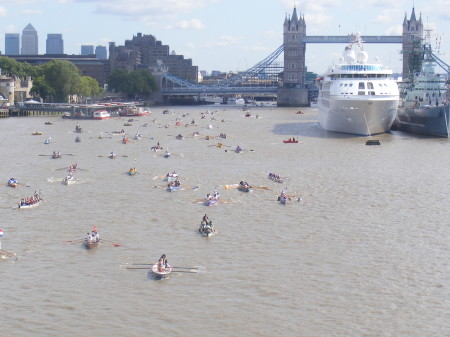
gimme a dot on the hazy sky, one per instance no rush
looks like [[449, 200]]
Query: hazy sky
[[225, 35]]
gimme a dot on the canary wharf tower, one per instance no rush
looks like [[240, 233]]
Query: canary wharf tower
[[29, 41]]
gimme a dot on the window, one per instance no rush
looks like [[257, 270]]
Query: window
[[361, 85]]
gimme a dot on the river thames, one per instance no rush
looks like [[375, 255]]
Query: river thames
[[365, 252]]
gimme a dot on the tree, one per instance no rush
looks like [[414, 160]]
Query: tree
[[63, 77], [41, 88], [15, 68], [87, 87], [135, 84]]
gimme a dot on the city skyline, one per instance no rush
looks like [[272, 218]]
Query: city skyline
[[225, 35]]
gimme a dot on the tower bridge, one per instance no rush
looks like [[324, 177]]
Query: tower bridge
[[286, 81]]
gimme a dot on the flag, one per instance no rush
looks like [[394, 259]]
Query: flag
[[1, 233]]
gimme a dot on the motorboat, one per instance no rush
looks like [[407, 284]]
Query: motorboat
[[101, 114]]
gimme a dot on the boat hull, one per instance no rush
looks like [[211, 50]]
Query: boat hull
[[426, 120], [210, 202], [36, 204], [91, 245], [69, 182], [161, 273], [358, 116]]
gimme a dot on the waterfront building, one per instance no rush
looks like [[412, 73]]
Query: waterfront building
[[13, 89], [87, 50], [144, 52], [55, 44], [412, 48], [29, 41], [100, 52], [12, 44]]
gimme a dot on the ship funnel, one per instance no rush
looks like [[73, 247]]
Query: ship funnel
[[362, 57], [349, 55]]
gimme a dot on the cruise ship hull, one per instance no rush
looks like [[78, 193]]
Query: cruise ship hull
[[363, 116], [427, 120]]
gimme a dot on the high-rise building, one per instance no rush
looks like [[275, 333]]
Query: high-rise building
[[29, 41], [55, 44], [87, 50], [100, 52], [144, 52], [12, 44]]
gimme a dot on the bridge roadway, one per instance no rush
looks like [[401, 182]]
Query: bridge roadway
[[192, 89], [206, 90]]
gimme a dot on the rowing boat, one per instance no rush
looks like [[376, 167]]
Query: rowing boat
[[210, 202], [13, 183], [244, 187], [207, 230], [69, 180], [161, 272], [35, 204], [90, 245]]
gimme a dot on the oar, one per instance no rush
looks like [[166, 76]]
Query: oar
[[7, 253], [137, 268], [68, 154], [45, 155], [80, 240], [184, 271], [151, 264], [112, 243]]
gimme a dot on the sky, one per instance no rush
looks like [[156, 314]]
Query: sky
[[226, 35]]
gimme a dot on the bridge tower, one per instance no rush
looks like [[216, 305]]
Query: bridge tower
[[293, 92], [412, 45]]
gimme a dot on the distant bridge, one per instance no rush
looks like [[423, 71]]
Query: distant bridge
[[262, 79]]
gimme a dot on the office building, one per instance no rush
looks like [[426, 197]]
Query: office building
[[55, 44], [100, 52], [87, 50], [29, 41], [12, 44]]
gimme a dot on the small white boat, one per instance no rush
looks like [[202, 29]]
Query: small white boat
[[167, 154], [207, 230], [161, 272], [69, 180], [48, 140], [101, 114]]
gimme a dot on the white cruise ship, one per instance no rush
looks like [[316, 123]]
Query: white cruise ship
[[357, 97]]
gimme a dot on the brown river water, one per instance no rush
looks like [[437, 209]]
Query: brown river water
[[365, 252]]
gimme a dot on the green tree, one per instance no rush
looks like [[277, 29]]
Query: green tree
[[63, 77], [41, 88], [87, 87], [135, 84], [15, 68]]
